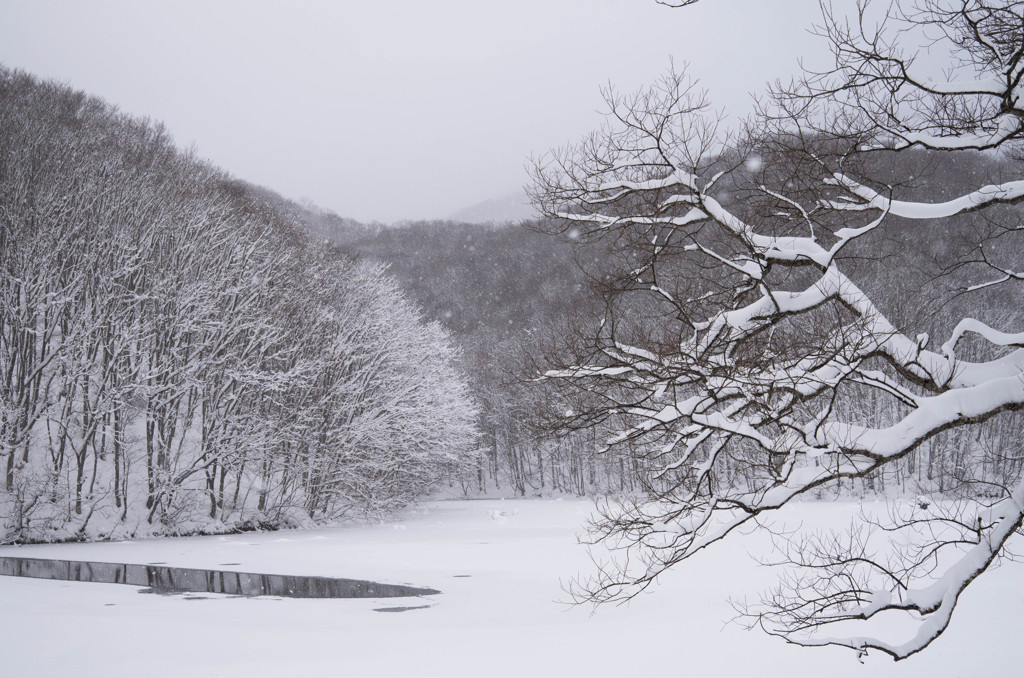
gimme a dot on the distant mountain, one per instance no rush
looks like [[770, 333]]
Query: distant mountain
[[512, 208]]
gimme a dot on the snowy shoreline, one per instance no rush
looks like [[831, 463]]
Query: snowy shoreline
[[499, 565]]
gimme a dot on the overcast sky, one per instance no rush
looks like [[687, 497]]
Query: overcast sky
[[397, 109]]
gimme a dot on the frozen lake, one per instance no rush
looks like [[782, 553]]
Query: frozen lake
[[498, 564]]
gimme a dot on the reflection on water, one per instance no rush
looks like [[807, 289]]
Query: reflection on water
[[187, 580]]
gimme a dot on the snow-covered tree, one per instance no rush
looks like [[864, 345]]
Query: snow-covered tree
[[174, 351], [749, 351]]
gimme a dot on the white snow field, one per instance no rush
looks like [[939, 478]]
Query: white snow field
[[498, 565]]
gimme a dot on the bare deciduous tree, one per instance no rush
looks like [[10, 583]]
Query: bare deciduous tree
[[742, 344]]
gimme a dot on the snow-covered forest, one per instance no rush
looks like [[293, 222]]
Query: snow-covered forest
[[177, 356], [710, 330]]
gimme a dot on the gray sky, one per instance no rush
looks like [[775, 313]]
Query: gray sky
[[396, 109]]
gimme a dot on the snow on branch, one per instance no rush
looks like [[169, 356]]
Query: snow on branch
[[805, 605], [1009, 193]]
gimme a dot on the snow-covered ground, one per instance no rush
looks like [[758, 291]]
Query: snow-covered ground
[[498, 564]]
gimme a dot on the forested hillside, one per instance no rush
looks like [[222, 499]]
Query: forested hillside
[[514, 294], [506, 293], [178, 355]]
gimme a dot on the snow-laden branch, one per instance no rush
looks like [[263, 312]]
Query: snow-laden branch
[[1008, 193], [1006, 129], [932, 603]]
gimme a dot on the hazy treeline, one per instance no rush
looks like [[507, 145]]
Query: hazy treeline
[[173, 349], [512, 294], [506, 293]]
